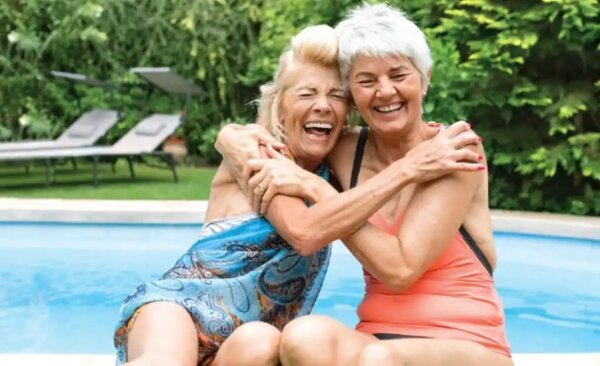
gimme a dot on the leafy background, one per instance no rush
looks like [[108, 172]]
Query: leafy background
[[525, 73]]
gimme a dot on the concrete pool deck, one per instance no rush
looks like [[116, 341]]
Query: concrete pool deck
[[190, 212], [523, 359]]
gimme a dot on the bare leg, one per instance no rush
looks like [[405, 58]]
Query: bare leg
[[252, 344], [429, 352], [317, 340], [163, 334]]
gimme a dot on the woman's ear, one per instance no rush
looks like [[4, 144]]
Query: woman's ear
[[426, 86]]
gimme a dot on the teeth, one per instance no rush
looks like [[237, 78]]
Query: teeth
[[327, 126], [390, 108]]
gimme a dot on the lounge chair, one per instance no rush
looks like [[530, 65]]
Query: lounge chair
[[85, 131], [140, 141]]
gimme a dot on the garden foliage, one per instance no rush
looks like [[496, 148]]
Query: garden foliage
[[525, 73]]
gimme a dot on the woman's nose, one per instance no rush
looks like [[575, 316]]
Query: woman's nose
[[322, 104], [386, 89]]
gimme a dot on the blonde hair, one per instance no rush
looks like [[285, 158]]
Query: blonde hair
[[316, 45]]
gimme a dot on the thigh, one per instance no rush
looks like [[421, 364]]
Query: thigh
[[430, 352], [163, 329]]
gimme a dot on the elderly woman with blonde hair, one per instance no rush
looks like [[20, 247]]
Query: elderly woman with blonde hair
[[427, 251], [241, 271]]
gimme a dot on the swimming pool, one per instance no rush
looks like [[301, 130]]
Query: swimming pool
[[62, 284]]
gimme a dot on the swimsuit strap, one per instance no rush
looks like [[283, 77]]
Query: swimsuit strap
[[475, 248], [358, 155]]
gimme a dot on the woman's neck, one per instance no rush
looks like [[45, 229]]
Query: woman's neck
[[389, 148]]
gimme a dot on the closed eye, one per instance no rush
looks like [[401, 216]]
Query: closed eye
[[366, 82], [399, 77]]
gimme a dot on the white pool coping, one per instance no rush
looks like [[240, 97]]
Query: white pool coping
[[190, 212], [523, 359]]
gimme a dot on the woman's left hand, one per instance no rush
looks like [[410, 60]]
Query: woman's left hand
[[275, 175]]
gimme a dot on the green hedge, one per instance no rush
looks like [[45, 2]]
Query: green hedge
[[525, 73]]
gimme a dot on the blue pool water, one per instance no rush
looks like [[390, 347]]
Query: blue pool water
[[62, 284]]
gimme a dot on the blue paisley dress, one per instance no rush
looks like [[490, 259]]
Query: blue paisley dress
[[239, 270]]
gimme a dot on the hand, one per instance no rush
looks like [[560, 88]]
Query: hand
[[274, 175], [238, 143], [449, 151]]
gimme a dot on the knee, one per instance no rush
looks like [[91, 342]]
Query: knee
[[379, 354], [258, 343], [302, 336]]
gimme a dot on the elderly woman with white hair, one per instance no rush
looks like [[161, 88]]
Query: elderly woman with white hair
[[427, 252]]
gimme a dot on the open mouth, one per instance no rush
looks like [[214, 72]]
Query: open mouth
[[318, 129], [390, 108]]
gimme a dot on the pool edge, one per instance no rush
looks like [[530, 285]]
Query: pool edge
[[520, 359], [192, 212]]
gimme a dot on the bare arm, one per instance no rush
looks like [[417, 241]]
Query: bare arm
[[310, 228], [432, 218]]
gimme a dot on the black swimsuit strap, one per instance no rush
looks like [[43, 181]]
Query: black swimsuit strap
[[358, 155], [476, 249]]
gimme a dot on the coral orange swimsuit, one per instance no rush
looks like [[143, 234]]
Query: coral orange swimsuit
[[454, 299]]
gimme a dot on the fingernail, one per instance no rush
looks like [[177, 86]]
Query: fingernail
[[481, 167], [480, 158], [480, 139]]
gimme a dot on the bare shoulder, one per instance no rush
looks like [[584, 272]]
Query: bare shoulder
[[341, 157]]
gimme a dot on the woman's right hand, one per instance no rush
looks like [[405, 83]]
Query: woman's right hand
[[276, 174], [453, 149], [239, 143]]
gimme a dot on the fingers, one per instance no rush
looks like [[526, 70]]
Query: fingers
[[264, 137], [466, 155], [465, 139], [252, 166], [259, 192], [266, 199], [466, 167], [246, 174], [456, 128], [274, 154], [258, 177], [256, 132]]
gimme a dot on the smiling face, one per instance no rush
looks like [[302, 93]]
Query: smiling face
[[313, 111], [387, 92]]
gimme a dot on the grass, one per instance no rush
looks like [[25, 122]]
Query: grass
[[151, 183]]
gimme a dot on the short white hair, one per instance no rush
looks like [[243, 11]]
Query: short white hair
[[379, 30]]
